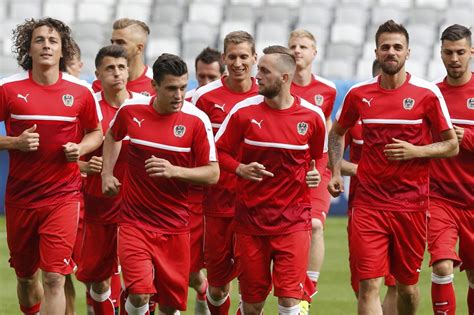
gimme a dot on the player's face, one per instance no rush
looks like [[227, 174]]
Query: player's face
[[170, 93], [206, 73], [239, 61], [46, 49], [392, 52], [304, 50], [124, 37], [74, 66], [113, 73], [269, 79], [456, 56]]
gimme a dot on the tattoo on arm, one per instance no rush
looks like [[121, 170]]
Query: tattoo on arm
[[335, 146]]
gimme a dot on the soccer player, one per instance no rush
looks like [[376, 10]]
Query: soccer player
[[452, 180], [388, 227], [74, 64], [320, 92], [133, 35], [216, 99], [209, 67], [99, 251], [43, 188], [268, 141], [353, 141], [171, 144]]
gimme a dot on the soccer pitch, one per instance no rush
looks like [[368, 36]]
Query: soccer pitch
[[335, 295]]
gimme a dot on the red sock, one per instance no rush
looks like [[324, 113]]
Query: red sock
[[151, 307], [470, 300], [442, 294], [201, 294], [222, 309], [315, 283], [123, 299], [30, 310], [89, 300], [116, 288], [104, 308]]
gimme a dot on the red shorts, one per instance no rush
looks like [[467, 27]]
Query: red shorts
[[196, 224], [447, 224], [389, 279], [218, 250], [76, 252], [320, 198], [99, 253], [42, 238], [153, 262], [254, 256], [388, 242]]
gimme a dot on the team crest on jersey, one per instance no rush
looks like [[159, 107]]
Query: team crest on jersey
[[145, 93], [319, 100], [470, 103], [408, 103], [68, 100], [302, 128], [179, 131]]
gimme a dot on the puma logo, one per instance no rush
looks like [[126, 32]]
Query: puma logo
[[258, 123], [25, 98], [367, 101], [221, 107], [139, 122], [67, 261]]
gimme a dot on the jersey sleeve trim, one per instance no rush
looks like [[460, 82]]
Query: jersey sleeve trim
[[206, 89], [325, 81], [162, 146], [43, 117]]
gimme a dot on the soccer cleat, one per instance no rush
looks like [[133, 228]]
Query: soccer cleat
[[201, 308], [304, 307]]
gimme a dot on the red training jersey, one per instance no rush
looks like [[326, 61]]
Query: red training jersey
[[141, 85], [452, 179], [353, 140], [216, 99], [184, 139], [407, 113], [100, 208], [61, 112], [280, 140]]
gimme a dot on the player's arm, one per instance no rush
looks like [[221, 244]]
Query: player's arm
[[111, 150], [348, 168], [93, 166], [465, 137], [336, 151], [401, 150], [27, 141], [92, 140], [206, 174]]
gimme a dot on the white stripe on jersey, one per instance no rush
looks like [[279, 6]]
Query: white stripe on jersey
[[205, 89], [370, 81], [217, 126], [189, 108], [43, 117], [393, 121], [15, 77], [149, 72], [160, 145], [277, 145], [254, 100], [325, 81], [319, 111], [462, 121], [358, 141]]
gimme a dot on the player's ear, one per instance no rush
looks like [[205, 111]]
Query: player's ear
[[154, 85]]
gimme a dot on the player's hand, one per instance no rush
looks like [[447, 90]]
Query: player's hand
[[28, 140], [459, 133], [400, 150], [110, 185], [253, 171], [156, 167], [313, 178], [336, 186], [94, 165], [72, 151]]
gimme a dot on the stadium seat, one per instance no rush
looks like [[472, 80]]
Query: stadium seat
[[255, 3], [168, 13], [20, 9], [320, 32], [435, 69], [272, 31], [311, 13], [459, 15], [8, 65], [364, 69], [422, 34], [361, 3], [158, 45], [338, 69], [278, 13], [342, 50], [91, 11], [368, 49], [145, 2], [89, 30], [138, 11], [195, 31], [420, 52], [347, 33], [381, 14], [192, 49], [426, 16], [209, 13], [325, 3], [351, 14], [406, 4], [163, 29], [89, 47], [230, 26], [289, 3], [438, 4], [59, 9], [417, 68], [240, 13]]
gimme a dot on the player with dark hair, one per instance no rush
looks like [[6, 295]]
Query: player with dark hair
[[43, 187]]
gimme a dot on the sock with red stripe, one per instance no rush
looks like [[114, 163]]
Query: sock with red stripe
[[102, 303], [442, 294], [31, 310], [220, 307]]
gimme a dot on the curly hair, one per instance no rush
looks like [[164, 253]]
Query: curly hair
[[22, 36]]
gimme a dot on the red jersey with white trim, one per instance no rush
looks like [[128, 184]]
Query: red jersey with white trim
[[188, 97], [407, 113], [100, 208], [452, 179], [184, 139], [353, 140], [141, 85], [217, 100], [320, 92], [280, 140], [60, 111]]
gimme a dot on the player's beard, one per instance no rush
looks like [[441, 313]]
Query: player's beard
[[455, 73], [392, 69], [270, 91]]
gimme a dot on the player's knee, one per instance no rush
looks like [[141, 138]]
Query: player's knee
[[407, 293], [27, 281], [470, 275], [317, 227], [138, 300], [253, 309], [288, 302], [101, 287], [369, 288], [53, 281], [218, 293], [168, 310], [195, 279], [443, 267]]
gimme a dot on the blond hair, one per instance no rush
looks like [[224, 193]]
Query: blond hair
[[303, 33]]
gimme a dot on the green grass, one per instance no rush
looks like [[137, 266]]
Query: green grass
[[335, 295]]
